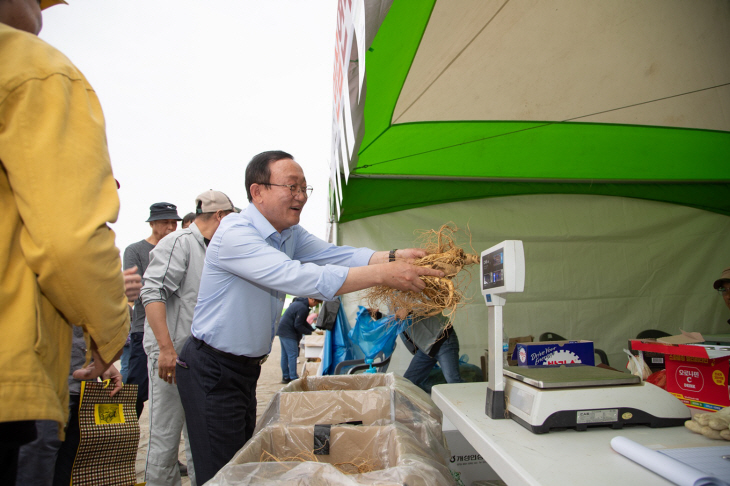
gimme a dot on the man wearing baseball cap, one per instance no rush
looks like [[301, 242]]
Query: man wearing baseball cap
[[169, 294], [55, 272], [163, 221], [722, 285]]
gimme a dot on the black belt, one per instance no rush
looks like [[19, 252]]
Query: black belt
[[234, 357]]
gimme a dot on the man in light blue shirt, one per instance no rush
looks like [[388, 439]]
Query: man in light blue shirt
[[255, 258]]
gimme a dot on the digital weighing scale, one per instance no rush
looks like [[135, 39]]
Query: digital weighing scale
[[541, 398]]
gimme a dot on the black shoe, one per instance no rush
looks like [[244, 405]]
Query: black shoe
[[183, 468], [284, 381]]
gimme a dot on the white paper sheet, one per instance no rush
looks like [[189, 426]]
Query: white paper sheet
[[713, 460], [663, 465]]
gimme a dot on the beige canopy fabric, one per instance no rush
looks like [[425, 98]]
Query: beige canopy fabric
[[568, 59], [596, 268]]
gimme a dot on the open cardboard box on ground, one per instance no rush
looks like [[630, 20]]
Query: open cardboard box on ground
[[372, 399], [696, 374], [310, 455]]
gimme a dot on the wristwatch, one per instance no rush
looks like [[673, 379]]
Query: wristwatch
[[391, 255]]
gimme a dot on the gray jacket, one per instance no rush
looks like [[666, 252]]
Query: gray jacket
[[173, 277]]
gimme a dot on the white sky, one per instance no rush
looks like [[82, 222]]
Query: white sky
[[192, 89]]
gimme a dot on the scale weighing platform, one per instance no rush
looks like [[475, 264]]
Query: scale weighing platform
[[541, 398]]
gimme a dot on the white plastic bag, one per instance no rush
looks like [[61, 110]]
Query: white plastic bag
[[637, 366]]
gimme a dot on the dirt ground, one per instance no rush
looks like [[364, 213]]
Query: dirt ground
[[268, 384]]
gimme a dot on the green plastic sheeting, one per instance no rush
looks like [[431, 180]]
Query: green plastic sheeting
[[419, 164]]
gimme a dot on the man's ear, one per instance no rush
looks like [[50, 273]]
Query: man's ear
[[255, 192]]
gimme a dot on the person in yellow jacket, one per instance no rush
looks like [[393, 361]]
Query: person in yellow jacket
[[58, 262]]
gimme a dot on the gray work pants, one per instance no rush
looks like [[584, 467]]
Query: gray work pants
[[167, 422]]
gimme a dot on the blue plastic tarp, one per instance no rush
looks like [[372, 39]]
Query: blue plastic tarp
[[337, 345], [375, 336]]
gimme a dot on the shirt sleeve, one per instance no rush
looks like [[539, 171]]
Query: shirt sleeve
[[55, 154], [315, 250], [165, 272], [243, 252]]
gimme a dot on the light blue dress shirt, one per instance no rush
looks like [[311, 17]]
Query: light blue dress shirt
[[250, 267]]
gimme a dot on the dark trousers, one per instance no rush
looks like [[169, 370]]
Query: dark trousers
[[67, 452], [47, 460], [218, 394], [137, 372], [12, 436], [37, 459]]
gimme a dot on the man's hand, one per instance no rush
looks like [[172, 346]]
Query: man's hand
[[406, 277], [97, 366], [166, 365], [132, 283], [410, 254], [115, 379]]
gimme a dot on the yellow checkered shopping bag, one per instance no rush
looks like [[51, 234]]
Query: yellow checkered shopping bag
[[109, 437]]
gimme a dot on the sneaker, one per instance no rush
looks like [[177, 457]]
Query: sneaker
[[183, 468], [284, 381]]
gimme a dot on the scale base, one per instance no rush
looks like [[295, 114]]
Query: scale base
[[495, 404], [543, 410]]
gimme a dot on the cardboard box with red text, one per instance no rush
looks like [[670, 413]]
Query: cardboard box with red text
[[695, 376]]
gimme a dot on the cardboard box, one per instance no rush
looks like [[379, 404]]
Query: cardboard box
[[292, 454], [372, 399], [511, 353], [465, 460], [555, 353], [697, 375], [513, 341]]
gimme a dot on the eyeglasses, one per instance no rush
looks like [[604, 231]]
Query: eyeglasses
[[722, 291], [306, 190]]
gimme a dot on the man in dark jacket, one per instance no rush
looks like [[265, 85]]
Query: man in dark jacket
[[292, 326]]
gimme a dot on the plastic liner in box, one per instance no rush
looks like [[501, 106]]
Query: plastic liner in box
[[373, 399], [392, 453]]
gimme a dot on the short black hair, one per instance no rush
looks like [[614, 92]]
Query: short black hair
[[204, 216], [188, 218], [257, 170]]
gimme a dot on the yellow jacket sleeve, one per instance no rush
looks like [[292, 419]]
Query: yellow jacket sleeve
[[55, 153]]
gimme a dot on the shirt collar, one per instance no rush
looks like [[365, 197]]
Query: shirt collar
[[263, 226], [197, 234]]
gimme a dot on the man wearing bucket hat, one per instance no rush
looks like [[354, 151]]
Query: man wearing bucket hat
[[170, 291], [163, 221], [55, 271], [722, 285]]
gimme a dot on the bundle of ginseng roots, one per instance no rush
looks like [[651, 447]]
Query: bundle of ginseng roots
[[442, 294]]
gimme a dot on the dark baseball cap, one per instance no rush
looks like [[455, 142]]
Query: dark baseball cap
[[163, 210], [725, 277]]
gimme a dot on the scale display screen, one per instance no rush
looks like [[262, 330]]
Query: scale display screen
[[493, 269], [502, 269]]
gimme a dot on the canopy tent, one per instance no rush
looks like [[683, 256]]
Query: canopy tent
[[479, 98], [524, 120]]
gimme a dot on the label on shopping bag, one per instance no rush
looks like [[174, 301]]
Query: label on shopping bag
[[108, 413]]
